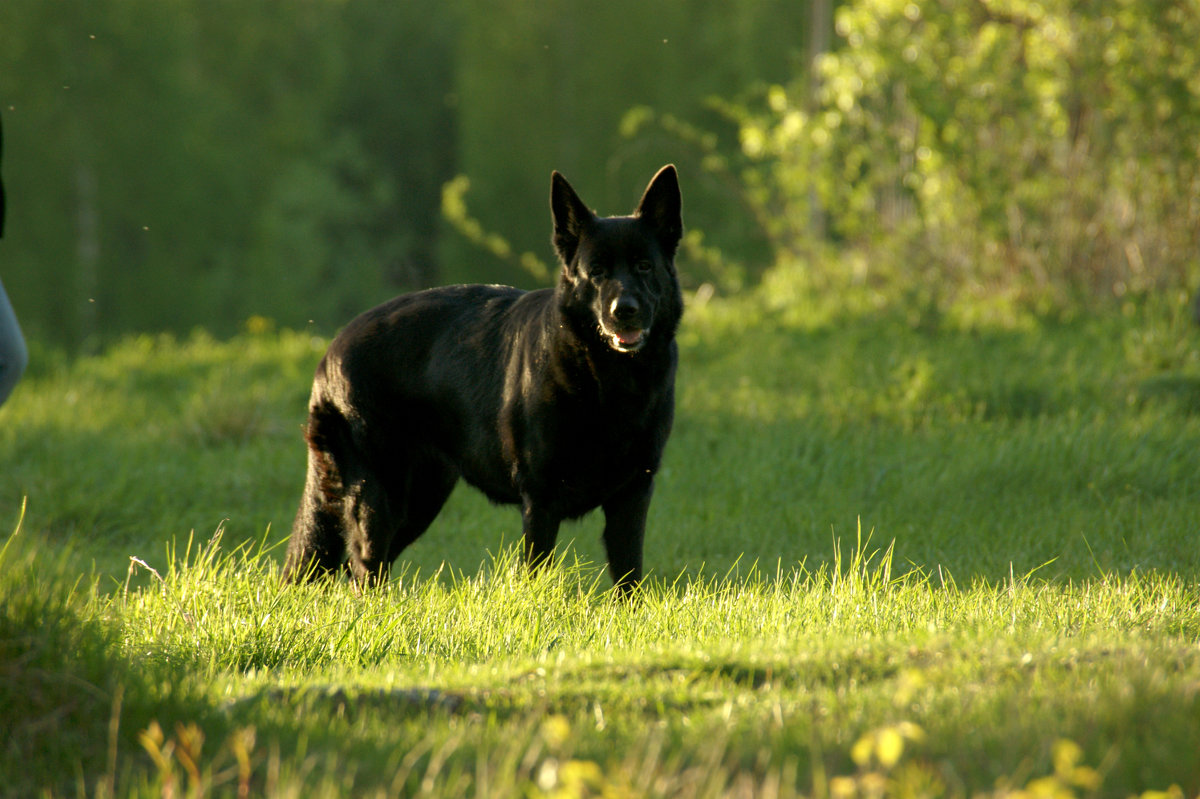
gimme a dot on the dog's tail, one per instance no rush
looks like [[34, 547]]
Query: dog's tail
[[317, 546], [328, 435]]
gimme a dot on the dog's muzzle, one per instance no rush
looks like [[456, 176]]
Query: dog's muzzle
[[622, 325]]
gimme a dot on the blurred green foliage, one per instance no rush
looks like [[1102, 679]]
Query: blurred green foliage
[[183, 163], [1043, 149]]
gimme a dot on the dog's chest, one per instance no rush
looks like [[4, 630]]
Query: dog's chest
[[590, 456], [575, 434]]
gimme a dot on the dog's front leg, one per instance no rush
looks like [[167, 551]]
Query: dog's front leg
[[624, 530], [540, 531]]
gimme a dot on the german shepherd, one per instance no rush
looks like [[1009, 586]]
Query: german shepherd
[[558, 400]]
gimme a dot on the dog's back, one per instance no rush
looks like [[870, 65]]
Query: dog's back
[[560, 400], [427, 372]]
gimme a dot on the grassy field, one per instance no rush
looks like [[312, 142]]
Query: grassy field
[[894, 552]]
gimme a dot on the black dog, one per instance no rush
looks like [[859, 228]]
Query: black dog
[[560, 400]]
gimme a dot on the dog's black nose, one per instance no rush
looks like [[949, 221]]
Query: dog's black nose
[[625, 308]]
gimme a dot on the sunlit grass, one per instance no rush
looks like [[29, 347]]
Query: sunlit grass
[[511, 683], [889, 554]]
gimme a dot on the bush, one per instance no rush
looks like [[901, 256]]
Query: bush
[[1045, 148]]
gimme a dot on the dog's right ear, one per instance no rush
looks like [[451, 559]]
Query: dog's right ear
[[661, 206], [571, 217]]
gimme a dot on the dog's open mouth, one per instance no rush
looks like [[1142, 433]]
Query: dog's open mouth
[[625, 340]]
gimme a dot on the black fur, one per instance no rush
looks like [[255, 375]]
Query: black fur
[[559, 400]]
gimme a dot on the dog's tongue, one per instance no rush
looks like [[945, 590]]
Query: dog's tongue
[[630, 337]]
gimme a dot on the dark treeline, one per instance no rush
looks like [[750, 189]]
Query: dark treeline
[[182, 163]]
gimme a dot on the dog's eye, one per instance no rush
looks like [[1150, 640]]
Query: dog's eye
[[644, 266], [598, 273]]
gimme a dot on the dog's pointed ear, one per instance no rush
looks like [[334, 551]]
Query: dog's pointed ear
[[662, 206], [571, 217]]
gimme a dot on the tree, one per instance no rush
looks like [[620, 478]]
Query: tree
[[174, 163]]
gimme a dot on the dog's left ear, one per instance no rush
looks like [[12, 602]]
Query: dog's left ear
[[571, 217], [662, 207]]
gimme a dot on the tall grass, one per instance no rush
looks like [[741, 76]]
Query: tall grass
[[504, 683]]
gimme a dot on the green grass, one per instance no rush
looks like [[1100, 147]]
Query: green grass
[[932, 554]]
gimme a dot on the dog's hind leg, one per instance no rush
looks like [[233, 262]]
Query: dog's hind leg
[[426, 488], [388, 506], [369, 523]]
